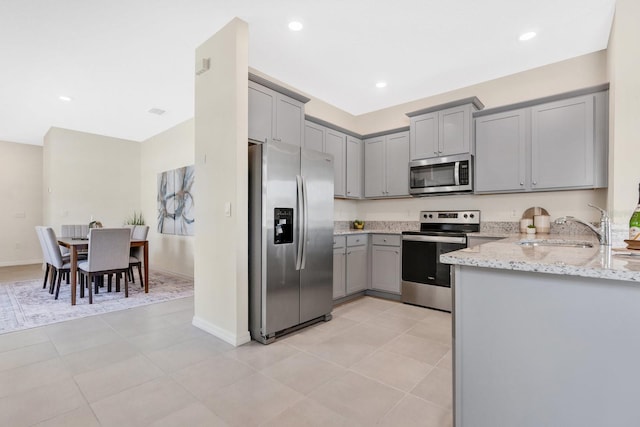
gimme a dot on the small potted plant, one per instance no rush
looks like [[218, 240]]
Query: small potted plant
[[531, 229], [358, 224]]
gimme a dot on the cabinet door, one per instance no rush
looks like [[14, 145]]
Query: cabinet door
[[562, 144], [335, 144], [261, 112], [354, 167], [500, 161], [385, 268], [424, 136], [374, 177], [289, 120], [454, 125], [397, 164], [313, 136], [356, 269], [339, 270]]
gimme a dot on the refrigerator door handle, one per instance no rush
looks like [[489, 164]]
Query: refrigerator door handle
[[300, 236], [305, 222]]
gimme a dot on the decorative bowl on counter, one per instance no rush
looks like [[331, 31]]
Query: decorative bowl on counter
[[358, 224]]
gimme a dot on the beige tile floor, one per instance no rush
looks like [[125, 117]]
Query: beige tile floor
[[377, 362]]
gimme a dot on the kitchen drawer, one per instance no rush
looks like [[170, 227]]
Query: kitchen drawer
[[386, 239], [357, 240], [339, 242]]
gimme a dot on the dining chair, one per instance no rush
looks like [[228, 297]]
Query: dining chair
[[45, 254], [136, 255], [58, 263], [108, 254], [74, 231]]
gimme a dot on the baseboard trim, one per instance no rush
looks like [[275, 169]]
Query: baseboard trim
[[161, 270], [223, 334], [23, 262]]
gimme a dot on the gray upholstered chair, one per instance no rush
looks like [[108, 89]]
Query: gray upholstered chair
[[136, 255], [108, 254], [58, 263], [74, 231], [45, 254]]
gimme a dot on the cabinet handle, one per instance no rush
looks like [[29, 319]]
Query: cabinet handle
[[397, 253], [277, 139], [534, 183], [522, 183], [435, 152]]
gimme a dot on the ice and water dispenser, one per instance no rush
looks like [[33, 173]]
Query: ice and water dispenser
[[283, 226]]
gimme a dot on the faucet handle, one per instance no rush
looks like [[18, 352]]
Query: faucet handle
[[605, 214]]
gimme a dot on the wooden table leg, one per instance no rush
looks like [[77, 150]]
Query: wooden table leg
[[146, 267], [74, 270]]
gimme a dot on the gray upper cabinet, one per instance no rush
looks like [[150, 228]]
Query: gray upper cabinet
[[555, 145], [386, 168], [355, 154], [562, 144], [424, 136], [321, 138], [443, 130], [501, 144], [397, 164], [335, 144], [261, 113], [374, 167], [274, 116], [314, 136]]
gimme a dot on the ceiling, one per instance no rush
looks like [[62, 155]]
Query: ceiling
[[118, 59]]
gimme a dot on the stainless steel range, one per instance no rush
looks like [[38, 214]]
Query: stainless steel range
[[426, 281]]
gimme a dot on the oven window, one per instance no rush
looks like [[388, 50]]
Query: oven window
[[421, 262], [442, 175]]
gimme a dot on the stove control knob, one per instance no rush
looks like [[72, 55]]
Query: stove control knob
[[471, 215], [430, 216], [465, 216]]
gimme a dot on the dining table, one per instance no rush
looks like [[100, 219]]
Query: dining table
[[77, 244]]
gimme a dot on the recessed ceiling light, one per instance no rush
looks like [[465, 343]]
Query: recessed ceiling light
[[65, 98], [380, 85], [527, 36], [158, 111], [295, 25]]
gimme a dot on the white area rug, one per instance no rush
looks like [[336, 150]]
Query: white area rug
[[26, 305]]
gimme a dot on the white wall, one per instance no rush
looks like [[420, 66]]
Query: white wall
[[221, 134], [87, 175], [168, 150], [624, 72], [21, 195]]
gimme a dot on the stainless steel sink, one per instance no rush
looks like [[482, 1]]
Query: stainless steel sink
[[556, 242]]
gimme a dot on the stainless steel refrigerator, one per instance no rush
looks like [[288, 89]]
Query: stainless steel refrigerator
[[290, 239]]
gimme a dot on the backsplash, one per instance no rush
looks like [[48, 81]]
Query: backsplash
[[391, 226]]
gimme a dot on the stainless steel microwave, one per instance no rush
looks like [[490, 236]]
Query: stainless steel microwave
[[451, 174]]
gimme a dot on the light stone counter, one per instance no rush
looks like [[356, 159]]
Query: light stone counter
[[366, 231], [596, 262]]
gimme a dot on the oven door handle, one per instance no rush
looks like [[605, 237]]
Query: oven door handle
[[435, 239]]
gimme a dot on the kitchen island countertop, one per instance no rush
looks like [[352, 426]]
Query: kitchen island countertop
[[596, 262]]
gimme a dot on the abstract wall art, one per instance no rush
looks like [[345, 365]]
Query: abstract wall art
[[176, 208]]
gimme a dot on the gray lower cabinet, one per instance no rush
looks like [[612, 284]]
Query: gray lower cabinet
[[386, 170], [357, 251], [274, 116], [385, 263], [339, 272], [555, 145]]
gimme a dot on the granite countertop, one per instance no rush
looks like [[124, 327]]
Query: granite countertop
[[363, 231], [597, 262]]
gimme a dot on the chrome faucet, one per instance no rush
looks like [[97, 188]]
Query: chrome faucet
[[603, 233]]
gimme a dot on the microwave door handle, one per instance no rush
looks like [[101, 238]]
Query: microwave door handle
[[456, 173]]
